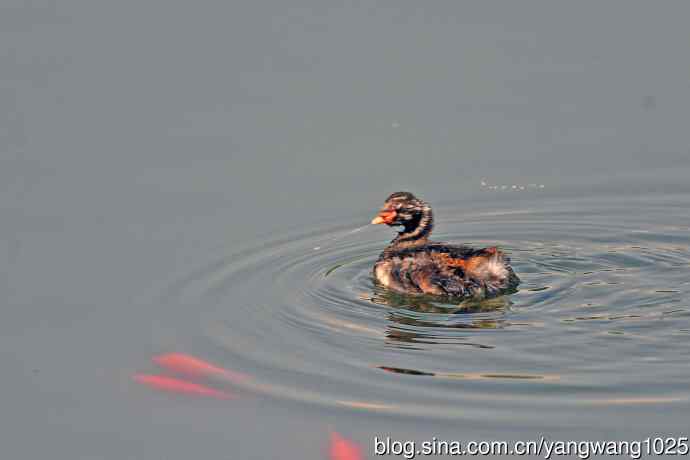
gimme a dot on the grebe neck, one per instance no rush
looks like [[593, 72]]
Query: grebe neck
[[416, 231]]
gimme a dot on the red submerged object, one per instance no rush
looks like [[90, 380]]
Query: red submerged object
[[414, 265], [196, 367], [173, 385], [344, 449]]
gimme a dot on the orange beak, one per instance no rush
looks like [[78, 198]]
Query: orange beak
[[385, 216]]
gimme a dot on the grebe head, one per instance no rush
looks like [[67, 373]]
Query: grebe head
[[406, 210]]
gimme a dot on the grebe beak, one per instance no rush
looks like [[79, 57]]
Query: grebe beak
[[385, 216]]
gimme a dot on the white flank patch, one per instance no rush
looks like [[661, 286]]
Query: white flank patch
[[494, 268], [383, 275], [497, 268]]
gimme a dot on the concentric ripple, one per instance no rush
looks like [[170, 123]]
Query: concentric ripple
[[602, 314]]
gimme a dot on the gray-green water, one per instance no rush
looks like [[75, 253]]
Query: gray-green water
[[195, 177]]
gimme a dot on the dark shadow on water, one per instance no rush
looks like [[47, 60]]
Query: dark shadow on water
[[468, 376]]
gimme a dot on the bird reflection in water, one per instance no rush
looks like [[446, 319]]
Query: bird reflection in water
[[416, 319]]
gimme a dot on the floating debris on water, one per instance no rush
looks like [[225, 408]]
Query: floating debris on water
[[516, 187]]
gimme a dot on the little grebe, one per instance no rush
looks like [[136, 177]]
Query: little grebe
[[413, 264]]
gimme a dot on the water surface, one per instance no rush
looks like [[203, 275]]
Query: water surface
[[195, 177]]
